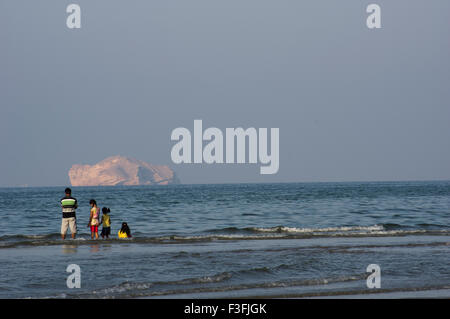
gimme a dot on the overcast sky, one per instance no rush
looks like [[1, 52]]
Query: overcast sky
[[351, 103]]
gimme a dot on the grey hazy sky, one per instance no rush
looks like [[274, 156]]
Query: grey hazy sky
[[351, 103]]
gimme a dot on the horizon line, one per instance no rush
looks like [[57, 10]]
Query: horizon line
[[240, 183]]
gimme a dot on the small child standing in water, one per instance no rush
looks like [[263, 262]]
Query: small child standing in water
[[93, 219], [106, 222]]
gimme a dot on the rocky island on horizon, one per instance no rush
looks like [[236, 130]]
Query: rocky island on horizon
[[120, 170]]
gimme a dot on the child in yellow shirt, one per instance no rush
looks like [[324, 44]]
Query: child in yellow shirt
[[124, 232], [106, 222]]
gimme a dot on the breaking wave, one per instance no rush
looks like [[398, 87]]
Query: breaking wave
[[222, 282], [231, 233]]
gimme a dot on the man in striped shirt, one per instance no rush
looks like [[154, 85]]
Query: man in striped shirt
[[69, 219]]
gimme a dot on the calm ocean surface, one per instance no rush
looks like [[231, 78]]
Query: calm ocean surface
[[241, 240]]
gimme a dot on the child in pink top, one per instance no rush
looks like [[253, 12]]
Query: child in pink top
[[94, 219]]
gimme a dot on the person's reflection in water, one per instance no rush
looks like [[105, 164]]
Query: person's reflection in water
[[95, 248], [69, 249]]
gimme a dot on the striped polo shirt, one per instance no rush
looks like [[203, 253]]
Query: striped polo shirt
[[69, 205]]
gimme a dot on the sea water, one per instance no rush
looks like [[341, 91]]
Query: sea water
[[231, 240]]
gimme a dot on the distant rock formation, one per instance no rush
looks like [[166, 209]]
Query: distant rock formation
[[119, 170]]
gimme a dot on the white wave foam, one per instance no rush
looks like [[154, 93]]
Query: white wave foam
[[319, 230], [123, 288]]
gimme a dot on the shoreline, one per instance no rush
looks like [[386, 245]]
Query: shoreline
[[413, 293]]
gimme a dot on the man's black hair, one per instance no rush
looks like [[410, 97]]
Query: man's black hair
[[68, 191]]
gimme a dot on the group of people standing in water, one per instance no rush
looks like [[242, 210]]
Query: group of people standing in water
[[69, 205], [94, 220]]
